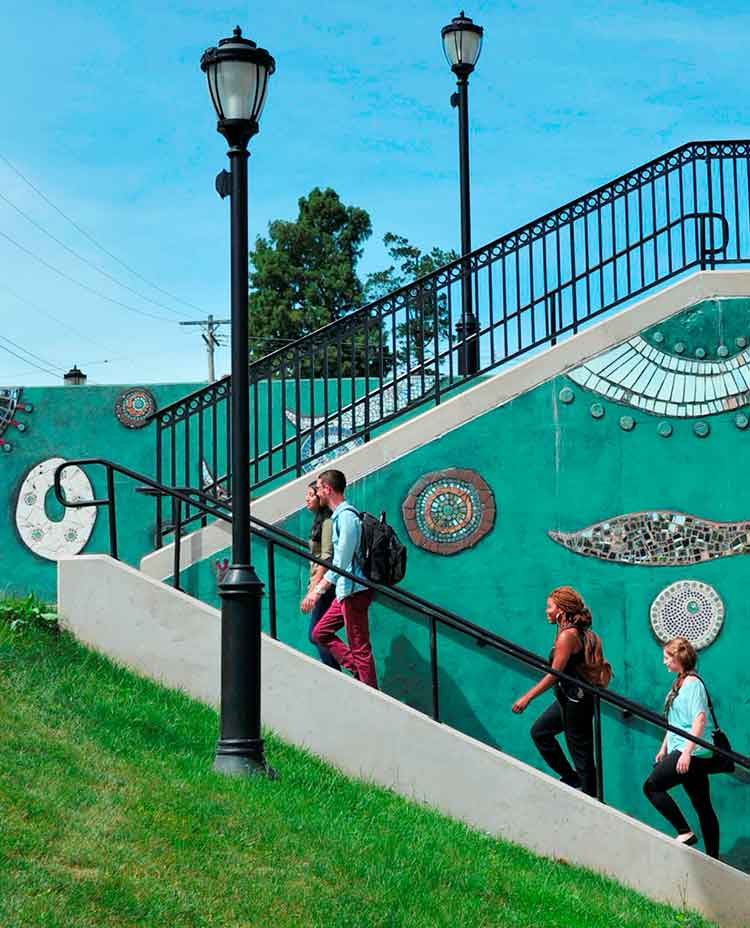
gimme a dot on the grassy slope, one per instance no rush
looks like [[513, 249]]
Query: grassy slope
[[110, 816]]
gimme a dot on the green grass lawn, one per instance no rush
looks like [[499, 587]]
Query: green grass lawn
[[111, 816]]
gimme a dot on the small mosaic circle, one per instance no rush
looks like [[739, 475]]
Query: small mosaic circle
[[680, 347], [627, 423], [740, 341], [700, 353], [702, 429], [722, 351], [566, 395], [741, 420], [597, 410], [658, 337], [688, 608], [134, 406], [664, 429], [449, 510]]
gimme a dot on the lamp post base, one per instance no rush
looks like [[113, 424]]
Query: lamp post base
[[242, 758], [239, 751]]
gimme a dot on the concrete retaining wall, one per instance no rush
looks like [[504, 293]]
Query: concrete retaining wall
[[174, 639]]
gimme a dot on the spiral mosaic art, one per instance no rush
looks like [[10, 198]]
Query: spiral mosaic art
[[449, 510], [134, 406], [688, 608]]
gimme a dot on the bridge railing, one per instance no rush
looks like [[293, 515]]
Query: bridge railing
[[441, 622], [687, 210]]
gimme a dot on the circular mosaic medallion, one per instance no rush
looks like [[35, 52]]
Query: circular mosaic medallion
[[134, 406], [449, 510], [688, 608]]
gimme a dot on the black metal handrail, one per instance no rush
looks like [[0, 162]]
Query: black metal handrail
[[684, 210], [277, 537]]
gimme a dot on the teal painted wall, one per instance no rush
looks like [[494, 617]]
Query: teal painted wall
[[552, 465], [76, 422]]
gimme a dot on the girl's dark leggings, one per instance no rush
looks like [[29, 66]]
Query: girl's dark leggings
[[575, 721], [664, 776]]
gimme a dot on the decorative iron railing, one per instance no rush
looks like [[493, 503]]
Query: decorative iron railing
[[404, 601], [311, 399]]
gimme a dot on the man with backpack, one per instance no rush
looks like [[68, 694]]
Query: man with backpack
[[350, 607]]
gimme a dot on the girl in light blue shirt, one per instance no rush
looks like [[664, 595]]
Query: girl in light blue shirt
[[680, 760]]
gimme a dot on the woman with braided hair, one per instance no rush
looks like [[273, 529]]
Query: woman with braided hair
[[680, 761], [577, 652]]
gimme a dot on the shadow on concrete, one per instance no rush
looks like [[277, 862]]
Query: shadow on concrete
[[407, 677]]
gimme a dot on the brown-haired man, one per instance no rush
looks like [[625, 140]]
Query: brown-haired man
[[350, 607]]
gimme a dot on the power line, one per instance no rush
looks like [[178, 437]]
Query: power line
[[103, 296], [30, 353], [95, 242], [26, 361], [49, 315], [85, 260]]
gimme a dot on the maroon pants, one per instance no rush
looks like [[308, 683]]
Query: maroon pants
[[351, 614]]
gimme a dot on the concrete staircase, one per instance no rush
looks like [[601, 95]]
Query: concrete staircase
[[174, 639]]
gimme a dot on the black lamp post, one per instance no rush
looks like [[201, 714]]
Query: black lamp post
[[462, 43], [74, 377], [238, 73]]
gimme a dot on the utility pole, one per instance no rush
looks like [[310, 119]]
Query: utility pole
[[210, 325]]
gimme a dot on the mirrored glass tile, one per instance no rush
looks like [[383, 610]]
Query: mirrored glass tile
[[665, 391]]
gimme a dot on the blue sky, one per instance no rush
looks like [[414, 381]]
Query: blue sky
[[105, 111]]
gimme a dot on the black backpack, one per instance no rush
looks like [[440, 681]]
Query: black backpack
[[381, 553]]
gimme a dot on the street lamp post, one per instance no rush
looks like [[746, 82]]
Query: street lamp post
[[74, 377], [238, 73], [462, 43]]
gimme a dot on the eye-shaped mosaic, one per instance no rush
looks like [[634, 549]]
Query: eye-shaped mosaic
[[449, 510], [645, 377], [657, 538], [690, 609]]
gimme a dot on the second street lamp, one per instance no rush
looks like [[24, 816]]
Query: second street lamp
[[238, 73], [462, 43]]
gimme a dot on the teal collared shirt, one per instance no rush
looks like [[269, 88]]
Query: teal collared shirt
[[347, 534]]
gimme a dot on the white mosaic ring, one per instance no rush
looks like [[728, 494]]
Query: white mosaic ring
[[48, 539]]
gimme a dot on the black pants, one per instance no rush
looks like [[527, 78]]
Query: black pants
[[664, 776], [316, 613], [576, 720]]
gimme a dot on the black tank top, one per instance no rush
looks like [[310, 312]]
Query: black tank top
[[569, 690]]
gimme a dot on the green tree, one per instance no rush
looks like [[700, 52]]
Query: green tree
[[415, 322], [304, 274]]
